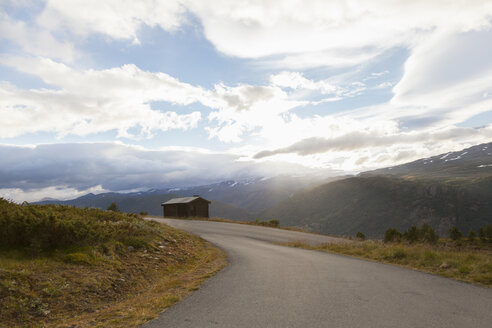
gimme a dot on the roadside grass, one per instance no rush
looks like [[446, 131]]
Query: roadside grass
[[470, 262], [70, 267]]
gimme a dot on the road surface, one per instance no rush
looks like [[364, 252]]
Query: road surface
[[267, 285]]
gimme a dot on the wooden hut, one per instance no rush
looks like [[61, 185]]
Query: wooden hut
[[195, 206]]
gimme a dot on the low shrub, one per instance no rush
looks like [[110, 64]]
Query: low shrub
[[360, 236], [425, 234], [45, 227], [392, 235], [455, 234], [412, 234], [113, 207], [485, 233], [428, 234]]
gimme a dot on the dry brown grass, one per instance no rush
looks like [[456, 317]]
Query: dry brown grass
[[124, 290], [469, 263]]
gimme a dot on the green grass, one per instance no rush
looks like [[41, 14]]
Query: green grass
[[470, 263]]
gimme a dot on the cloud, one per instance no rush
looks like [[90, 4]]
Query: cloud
[[329, 33], [446, 78], [118, 19], [83, 102], [296, 80], [91, 101], [363, 140], [247, 108], [34, 40], [58, 192], [449, 76], [77, 168], [301, 33]]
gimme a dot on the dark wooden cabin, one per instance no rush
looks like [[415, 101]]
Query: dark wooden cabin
[[186, 207]]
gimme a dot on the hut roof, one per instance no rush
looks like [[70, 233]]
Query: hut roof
[[183, 200]]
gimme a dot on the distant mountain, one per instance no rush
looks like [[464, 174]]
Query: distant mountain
[[236, 200], [442, 193], [472, 162], [254, 195]]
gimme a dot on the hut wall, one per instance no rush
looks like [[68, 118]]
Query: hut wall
[[201, 208], [170, 210]]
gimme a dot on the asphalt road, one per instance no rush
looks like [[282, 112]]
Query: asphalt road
[[267, 285]]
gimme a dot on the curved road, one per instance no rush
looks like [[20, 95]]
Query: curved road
[[267, 285]]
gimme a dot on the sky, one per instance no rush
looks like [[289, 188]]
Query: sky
[[123, 95]]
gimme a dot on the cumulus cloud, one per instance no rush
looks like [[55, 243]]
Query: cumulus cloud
[[91, 101], [245, 108], [45, 170]]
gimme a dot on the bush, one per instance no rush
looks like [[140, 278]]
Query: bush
[[425, 234], [488, 232], [392, 235], [44, 227], [471, 235], [113, 207], [412, 234], [428, 234], [360, 236], [144, 213], [271, 223], [455, 233]]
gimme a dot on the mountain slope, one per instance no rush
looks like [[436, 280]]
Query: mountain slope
[[444, 191], [373, 204]]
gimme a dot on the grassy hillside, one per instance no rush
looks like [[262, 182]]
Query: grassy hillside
[[87, 267], [373, 204]]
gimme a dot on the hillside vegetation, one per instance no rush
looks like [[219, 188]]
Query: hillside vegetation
[[62, 265], [371, 204]]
